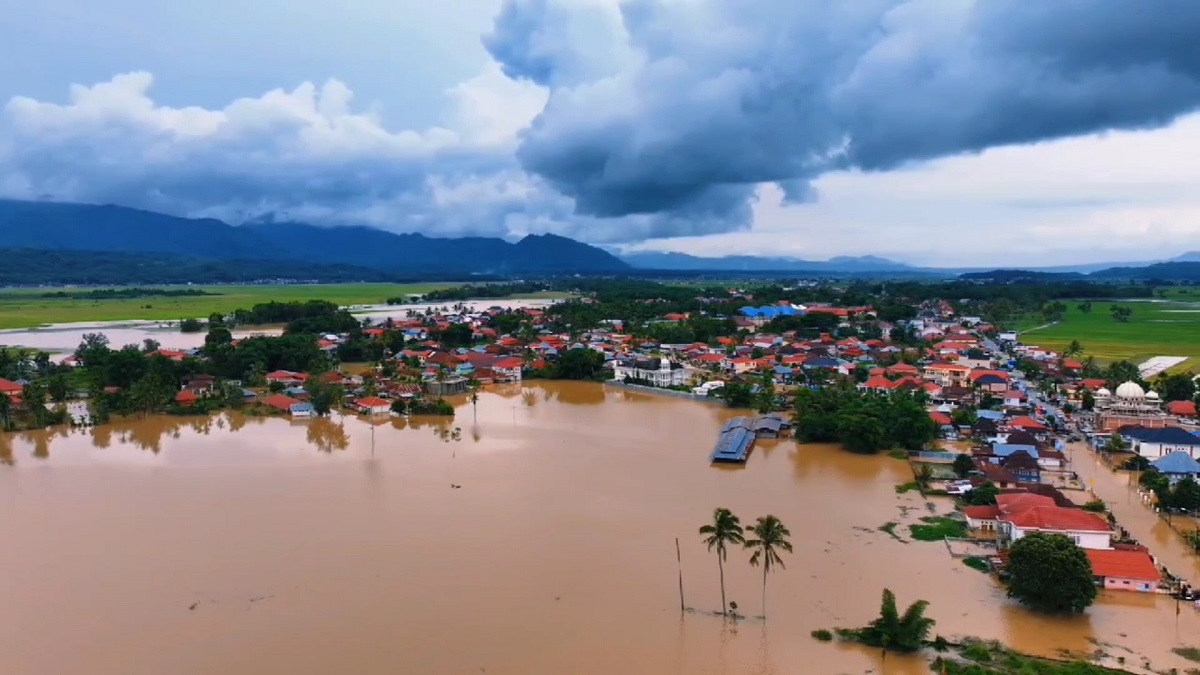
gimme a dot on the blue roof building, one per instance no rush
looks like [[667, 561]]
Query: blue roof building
[[1177, 465]]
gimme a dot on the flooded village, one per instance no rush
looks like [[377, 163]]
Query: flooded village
[[494, 491]]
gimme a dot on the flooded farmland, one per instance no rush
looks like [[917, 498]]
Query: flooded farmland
[[254, 545]]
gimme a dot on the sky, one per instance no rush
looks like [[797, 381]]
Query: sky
[[936, 132]]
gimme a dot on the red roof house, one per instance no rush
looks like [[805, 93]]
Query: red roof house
[[1182, 408], [1124, 570]]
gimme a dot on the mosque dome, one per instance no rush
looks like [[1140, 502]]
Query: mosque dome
[[1152, 396], [1130, 390], [1103, 393]]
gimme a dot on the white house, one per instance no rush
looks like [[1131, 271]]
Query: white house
[[1154, 443], [373, 405], [1017, 515], [658, 371]]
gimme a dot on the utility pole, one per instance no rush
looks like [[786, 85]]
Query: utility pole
[[679, 561]]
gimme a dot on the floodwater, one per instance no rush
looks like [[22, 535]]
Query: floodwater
[[256, 545], [63, 338]]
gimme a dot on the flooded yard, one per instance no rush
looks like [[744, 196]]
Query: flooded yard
[[253, 545]]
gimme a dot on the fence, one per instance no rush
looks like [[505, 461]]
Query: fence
[[931, 456]]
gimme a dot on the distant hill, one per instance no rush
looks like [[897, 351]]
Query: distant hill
[[747, 263], [1166, 271], [84, 227], [1022, 276]]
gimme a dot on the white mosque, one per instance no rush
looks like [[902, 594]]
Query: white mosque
[[1130, 404]]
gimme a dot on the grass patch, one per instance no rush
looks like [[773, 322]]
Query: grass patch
[[1166, 328], [907, 487], [976, 657], [898, 454], [937, 528], [822, 635], [976, 563], [18, 309], [890, 528], [1189, 653]]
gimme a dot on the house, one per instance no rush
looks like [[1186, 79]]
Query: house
[[200, 384], [1023, 466], [1014, 399], [1176, 466], [1022, 514], [1124, 570], [1153, 443], [947, 374], [286, 377], [982, 517], [373, 405], [1182, 408], [289, 405], [10, 388], [185, 398], [658, 371]]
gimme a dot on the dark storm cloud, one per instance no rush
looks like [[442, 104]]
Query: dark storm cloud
[[715, 97]]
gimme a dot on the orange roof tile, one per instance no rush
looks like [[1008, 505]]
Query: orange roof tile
[[1123, 564]]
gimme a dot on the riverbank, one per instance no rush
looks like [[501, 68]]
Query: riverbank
[[308, 547]]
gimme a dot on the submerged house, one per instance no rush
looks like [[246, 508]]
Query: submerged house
[[1124, 570]]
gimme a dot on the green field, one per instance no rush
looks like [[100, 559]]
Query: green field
[[1165, 327], [19, 308]]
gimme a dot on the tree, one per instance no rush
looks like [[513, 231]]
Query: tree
[[580, 364], [5, 413], [191, 326], [963, 465], [58, 387], [1050, 573], [982, 495], [905, 633], [1073, 349], [725, 529], [1185, 495], [737, 394], [770, 537], [1121, 313], [1116, 443], [923, 474], [1085, 307], [1176, 386]]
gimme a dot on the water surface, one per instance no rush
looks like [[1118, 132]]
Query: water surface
[[252, 545]]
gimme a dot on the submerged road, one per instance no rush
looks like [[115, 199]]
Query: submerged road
[[1119, 491]]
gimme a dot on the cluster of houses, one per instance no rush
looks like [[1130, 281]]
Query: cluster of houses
[[1115, 566]]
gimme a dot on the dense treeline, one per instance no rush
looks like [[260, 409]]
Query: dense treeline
[[862, 422], [310, 317], [478, 291], [25, 267], [113, 294]]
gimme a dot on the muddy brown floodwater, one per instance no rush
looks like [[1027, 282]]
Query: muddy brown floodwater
[[251, 545]]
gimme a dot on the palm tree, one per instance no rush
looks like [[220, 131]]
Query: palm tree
[[5, 412], [724, 530], [1073, 349], [770, 538], [924, 474]]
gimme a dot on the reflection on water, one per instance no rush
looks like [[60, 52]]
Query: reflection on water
[[518, 538]]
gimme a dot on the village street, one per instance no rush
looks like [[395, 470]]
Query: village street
[[1118, 489]]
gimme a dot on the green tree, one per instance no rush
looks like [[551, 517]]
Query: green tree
[[580, 364], [58, 387], [1073, 349], [1121, 313], [737, 394], [6, 420], [963, 465], [770, 538], [902, 633], [1050, 573], [1085, 307], [1176, 386], [923, 475], [725, 530], [1185, 495], [982, 495]]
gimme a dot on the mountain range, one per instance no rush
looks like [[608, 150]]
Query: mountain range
[[51, 226], [857, 264], [157, 243]]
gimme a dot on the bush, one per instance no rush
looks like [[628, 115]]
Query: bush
[[937, 528], [978, 651], [976, 563], [1095, 506], [822, 635]]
